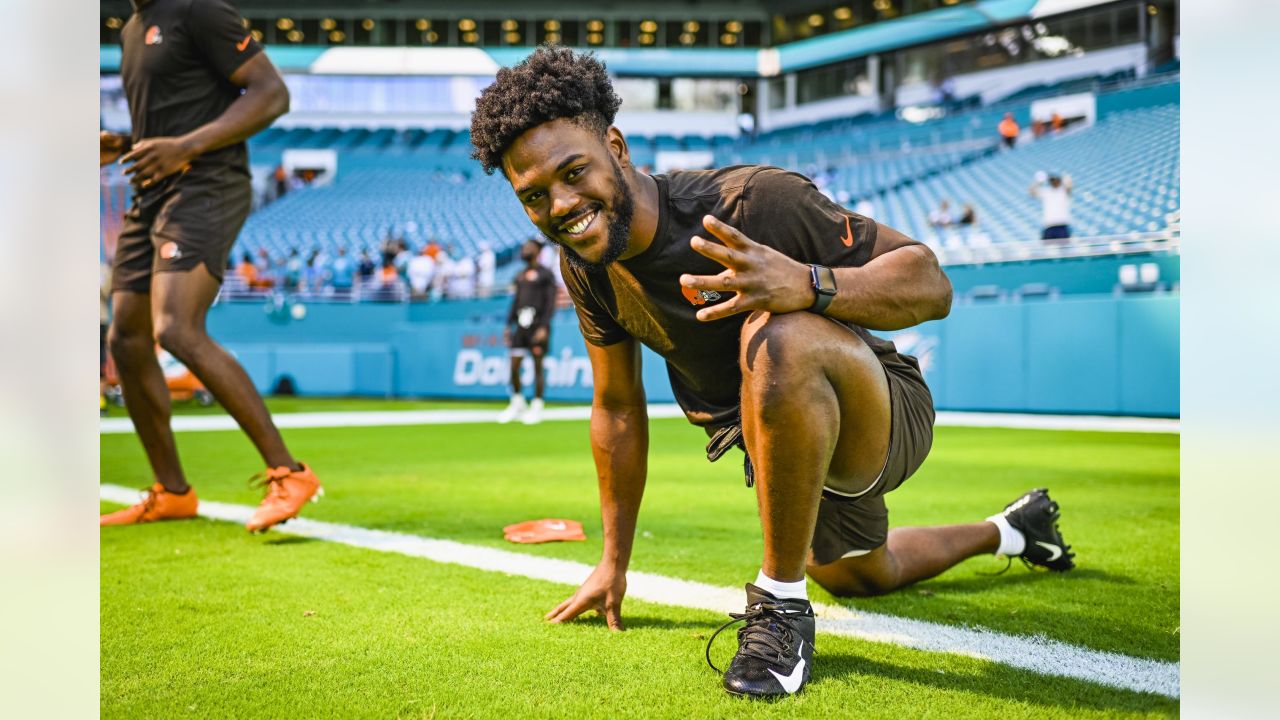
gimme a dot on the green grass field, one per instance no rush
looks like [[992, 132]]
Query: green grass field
[[201, 619], [287, 404]]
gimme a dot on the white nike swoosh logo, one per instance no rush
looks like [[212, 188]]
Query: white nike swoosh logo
[[1057, 551], [791, 683]]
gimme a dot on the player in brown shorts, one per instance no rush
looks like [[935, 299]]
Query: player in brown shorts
[[198, 85], [528, 332], [755, 289]]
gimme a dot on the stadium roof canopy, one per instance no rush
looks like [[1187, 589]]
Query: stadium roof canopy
[[876, 37]]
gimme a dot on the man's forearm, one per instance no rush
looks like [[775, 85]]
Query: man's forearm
[[251, 112], [899, 289], [620, 445]]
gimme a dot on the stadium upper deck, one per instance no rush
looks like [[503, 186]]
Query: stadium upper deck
[[894, 108]]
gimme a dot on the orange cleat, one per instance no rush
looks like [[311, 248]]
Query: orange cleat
[[157, 504], [287, 491]]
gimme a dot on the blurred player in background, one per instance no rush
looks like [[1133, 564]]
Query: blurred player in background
[[528, 331], [198, 85], [763, 333]]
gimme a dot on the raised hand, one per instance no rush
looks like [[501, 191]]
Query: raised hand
[[761, 278]]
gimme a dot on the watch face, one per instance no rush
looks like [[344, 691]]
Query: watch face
[[824, 280]]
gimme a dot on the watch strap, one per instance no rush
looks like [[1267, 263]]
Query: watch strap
[[824, 288]]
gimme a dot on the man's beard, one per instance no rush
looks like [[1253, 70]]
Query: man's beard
[[619, 229]]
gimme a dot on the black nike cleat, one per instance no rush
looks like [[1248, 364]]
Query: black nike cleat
[[1036, 517], [775, 647]]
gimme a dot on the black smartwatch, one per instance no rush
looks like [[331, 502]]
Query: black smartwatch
[[824, 288]]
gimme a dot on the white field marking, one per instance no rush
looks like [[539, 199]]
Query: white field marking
[[1036, 653], [204, 423]]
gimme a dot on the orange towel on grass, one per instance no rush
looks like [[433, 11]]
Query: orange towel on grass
[[545, 530]]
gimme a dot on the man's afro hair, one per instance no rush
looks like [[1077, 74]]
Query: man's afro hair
[[552, 83]]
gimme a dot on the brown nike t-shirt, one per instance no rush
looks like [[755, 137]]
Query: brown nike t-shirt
[[641, 297], [177, 58]]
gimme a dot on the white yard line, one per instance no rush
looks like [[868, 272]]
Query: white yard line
[[1037, 654], [384, 418]]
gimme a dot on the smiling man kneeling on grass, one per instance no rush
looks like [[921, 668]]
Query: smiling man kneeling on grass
[[758, 292]]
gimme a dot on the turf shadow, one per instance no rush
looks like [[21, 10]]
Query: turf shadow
[[996, 681], [963, 601], [983, 583], [290, 540], [643, 622]]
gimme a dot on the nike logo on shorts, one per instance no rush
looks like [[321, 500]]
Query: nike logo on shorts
[[847, 238]]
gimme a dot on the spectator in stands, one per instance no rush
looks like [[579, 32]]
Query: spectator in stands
[[941, 218], [1009, 130], [263, 264], [444, 266], [385, 285], [322, 261], [366, 267], [281, 179], [315, 275], [280, 272], [421, 271], [460, 280], [342, 274], [974, 235], [433, 249], [402, 257], [387, 275], [1055, 205], [1057, 122], [247, 271], [486, 268], [293, 270]]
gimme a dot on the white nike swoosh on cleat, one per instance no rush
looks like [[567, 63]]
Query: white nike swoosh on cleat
[[791, 683], [1057, 551]]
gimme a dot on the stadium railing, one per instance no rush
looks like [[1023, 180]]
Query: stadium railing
[[1168, 240]]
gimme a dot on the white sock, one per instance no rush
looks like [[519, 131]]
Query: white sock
[[1012, 541], [782, 590]]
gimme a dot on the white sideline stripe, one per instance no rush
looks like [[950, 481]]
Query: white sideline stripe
[[384, 418], [1036, 654]]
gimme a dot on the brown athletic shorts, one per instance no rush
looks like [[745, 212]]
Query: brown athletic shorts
[[187, 221], [852, 526], [522, 339]]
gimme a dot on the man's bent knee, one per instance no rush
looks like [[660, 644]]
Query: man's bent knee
[[851, 587], [179, 339], [125, 342], [781, 342], [869, 575]]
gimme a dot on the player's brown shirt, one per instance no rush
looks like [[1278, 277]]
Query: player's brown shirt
[[641, 297], [176, 58]]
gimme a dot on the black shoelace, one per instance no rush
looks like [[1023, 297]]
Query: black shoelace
[[768, 634], [1030, 566]]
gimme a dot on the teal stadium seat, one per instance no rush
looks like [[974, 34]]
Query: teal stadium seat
[[423, 184]]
